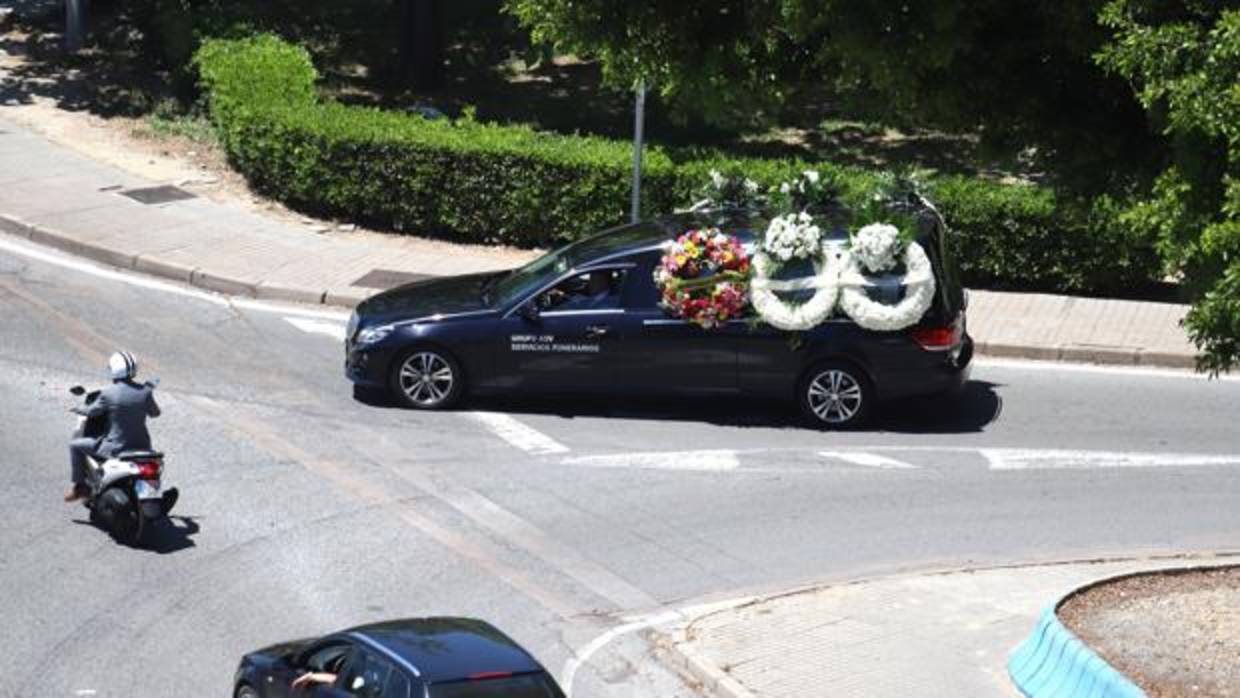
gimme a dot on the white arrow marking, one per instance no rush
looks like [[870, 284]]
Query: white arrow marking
[[1042, 459], [869, 460], [331, 329], [717, 460], [526, 438]]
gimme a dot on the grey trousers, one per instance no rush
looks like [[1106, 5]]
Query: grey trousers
[[78, 448]]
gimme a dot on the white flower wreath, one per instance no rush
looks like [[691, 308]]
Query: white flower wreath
[[919, 287], [784, 315]]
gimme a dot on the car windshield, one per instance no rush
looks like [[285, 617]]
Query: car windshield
[[523, 686]]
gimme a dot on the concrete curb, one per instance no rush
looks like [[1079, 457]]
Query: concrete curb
[[154, 266], [677, 654], [1054, 662], [1077, 353], [348, 298]]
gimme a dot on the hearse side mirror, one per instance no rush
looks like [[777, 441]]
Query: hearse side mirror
[[529, 310], [77, 390]]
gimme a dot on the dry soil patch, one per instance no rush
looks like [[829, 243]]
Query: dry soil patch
[[1173, 633]]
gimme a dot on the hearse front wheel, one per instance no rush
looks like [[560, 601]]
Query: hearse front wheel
[[835, 395], [427, 379]]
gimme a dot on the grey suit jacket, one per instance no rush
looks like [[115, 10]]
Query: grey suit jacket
[[127, 405]]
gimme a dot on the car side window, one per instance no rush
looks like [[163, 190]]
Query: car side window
[[328, 658], [599, 289], [366, 676], [398, 685]]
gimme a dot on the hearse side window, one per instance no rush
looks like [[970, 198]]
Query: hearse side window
[[640, 293], [592, 290]]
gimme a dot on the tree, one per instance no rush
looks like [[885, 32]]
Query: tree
[[1183, 60], [421, 43], [1019, 74]]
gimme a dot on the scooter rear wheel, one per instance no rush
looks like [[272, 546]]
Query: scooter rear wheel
[[119, 510]]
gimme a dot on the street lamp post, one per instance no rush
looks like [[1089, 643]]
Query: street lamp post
[[639, 109], [75, 24]]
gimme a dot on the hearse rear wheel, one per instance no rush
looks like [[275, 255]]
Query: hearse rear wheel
[[427, 379], [835, 395]]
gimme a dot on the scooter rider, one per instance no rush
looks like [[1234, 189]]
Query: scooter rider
[[127, 404]]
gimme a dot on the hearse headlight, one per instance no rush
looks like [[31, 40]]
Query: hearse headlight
[[371, 335]]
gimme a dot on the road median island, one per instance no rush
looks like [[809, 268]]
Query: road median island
[[953, 632], [1169, 632]]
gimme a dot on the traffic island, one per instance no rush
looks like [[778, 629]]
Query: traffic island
[[1163, 633]]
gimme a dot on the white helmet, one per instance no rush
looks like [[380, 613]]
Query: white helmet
[[122, 366]]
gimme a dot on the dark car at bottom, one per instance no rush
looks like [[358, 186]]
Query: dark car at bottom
[[411, 658], [551, 327]]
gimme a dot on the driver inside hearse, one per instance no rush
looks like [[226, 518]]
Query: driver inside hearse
[[599, 289]]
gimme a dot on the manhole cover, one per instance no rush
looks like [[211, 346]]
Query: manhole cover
[[388, 278], [158, 195]]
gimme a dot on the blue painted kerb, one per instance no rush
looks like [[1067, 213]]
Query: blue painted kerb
[[1054, 663]]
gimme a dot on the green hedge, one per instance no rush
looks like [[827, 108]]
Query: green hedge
[[487, 183]]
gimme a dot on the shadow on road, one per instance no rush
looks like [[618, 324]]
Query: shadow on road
[[163, 537], [975, 407], [171, 535]]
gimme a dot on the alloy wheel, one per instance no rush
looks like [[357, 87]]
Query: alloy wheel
[[426, 379], [835, 397]]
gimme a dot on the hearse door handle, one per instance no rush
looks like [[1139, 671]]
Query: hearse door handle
[[596, 331]]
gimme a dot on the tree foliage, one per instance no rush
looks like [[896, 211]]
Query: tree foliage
[[1020, 74], [1183, 60]]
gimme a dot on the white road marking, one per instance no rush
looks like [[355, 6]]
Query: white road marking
[[715, 460], [332, 329], [518, 434], [869, 460], [165, 286], [581, 657], [1052, 459], [85, 692]]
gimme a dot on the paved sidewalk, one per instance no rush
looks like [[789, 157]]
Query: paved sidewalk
[[941, 634], [57, 197]]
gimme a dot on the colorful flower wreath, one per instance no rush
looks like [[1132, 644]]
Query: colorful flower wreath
[[703, 277]]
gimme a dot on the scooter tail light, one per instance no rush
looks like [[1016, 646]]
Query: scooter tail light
[[149, 469]]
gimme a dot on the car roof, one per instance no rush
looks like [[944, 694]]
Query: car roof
[[449, 649], [632, 238]]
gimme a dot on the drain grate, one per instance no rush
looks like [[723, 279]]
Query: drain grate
[[388, 278], [158, 195]]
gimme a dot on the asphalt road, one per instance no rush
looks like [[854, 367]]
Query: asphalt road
[[304, 510]]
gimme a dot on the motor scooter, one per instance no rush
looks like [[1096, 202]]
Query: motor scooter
[[126, 497]]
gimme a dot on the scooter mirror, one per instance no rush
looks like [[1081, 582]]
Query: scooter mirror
[[77, 390]]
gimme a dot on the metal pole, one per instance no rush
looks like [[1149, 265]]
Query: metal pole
[[639, 110], [75, 24]]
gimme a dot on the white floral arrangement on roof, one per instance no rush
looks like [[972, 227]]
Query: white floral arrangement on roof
[[876, 246], [729, 190], [793, 236]]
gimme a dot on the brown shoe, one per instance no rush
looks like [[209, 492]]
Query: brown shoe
[[76, 493]]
